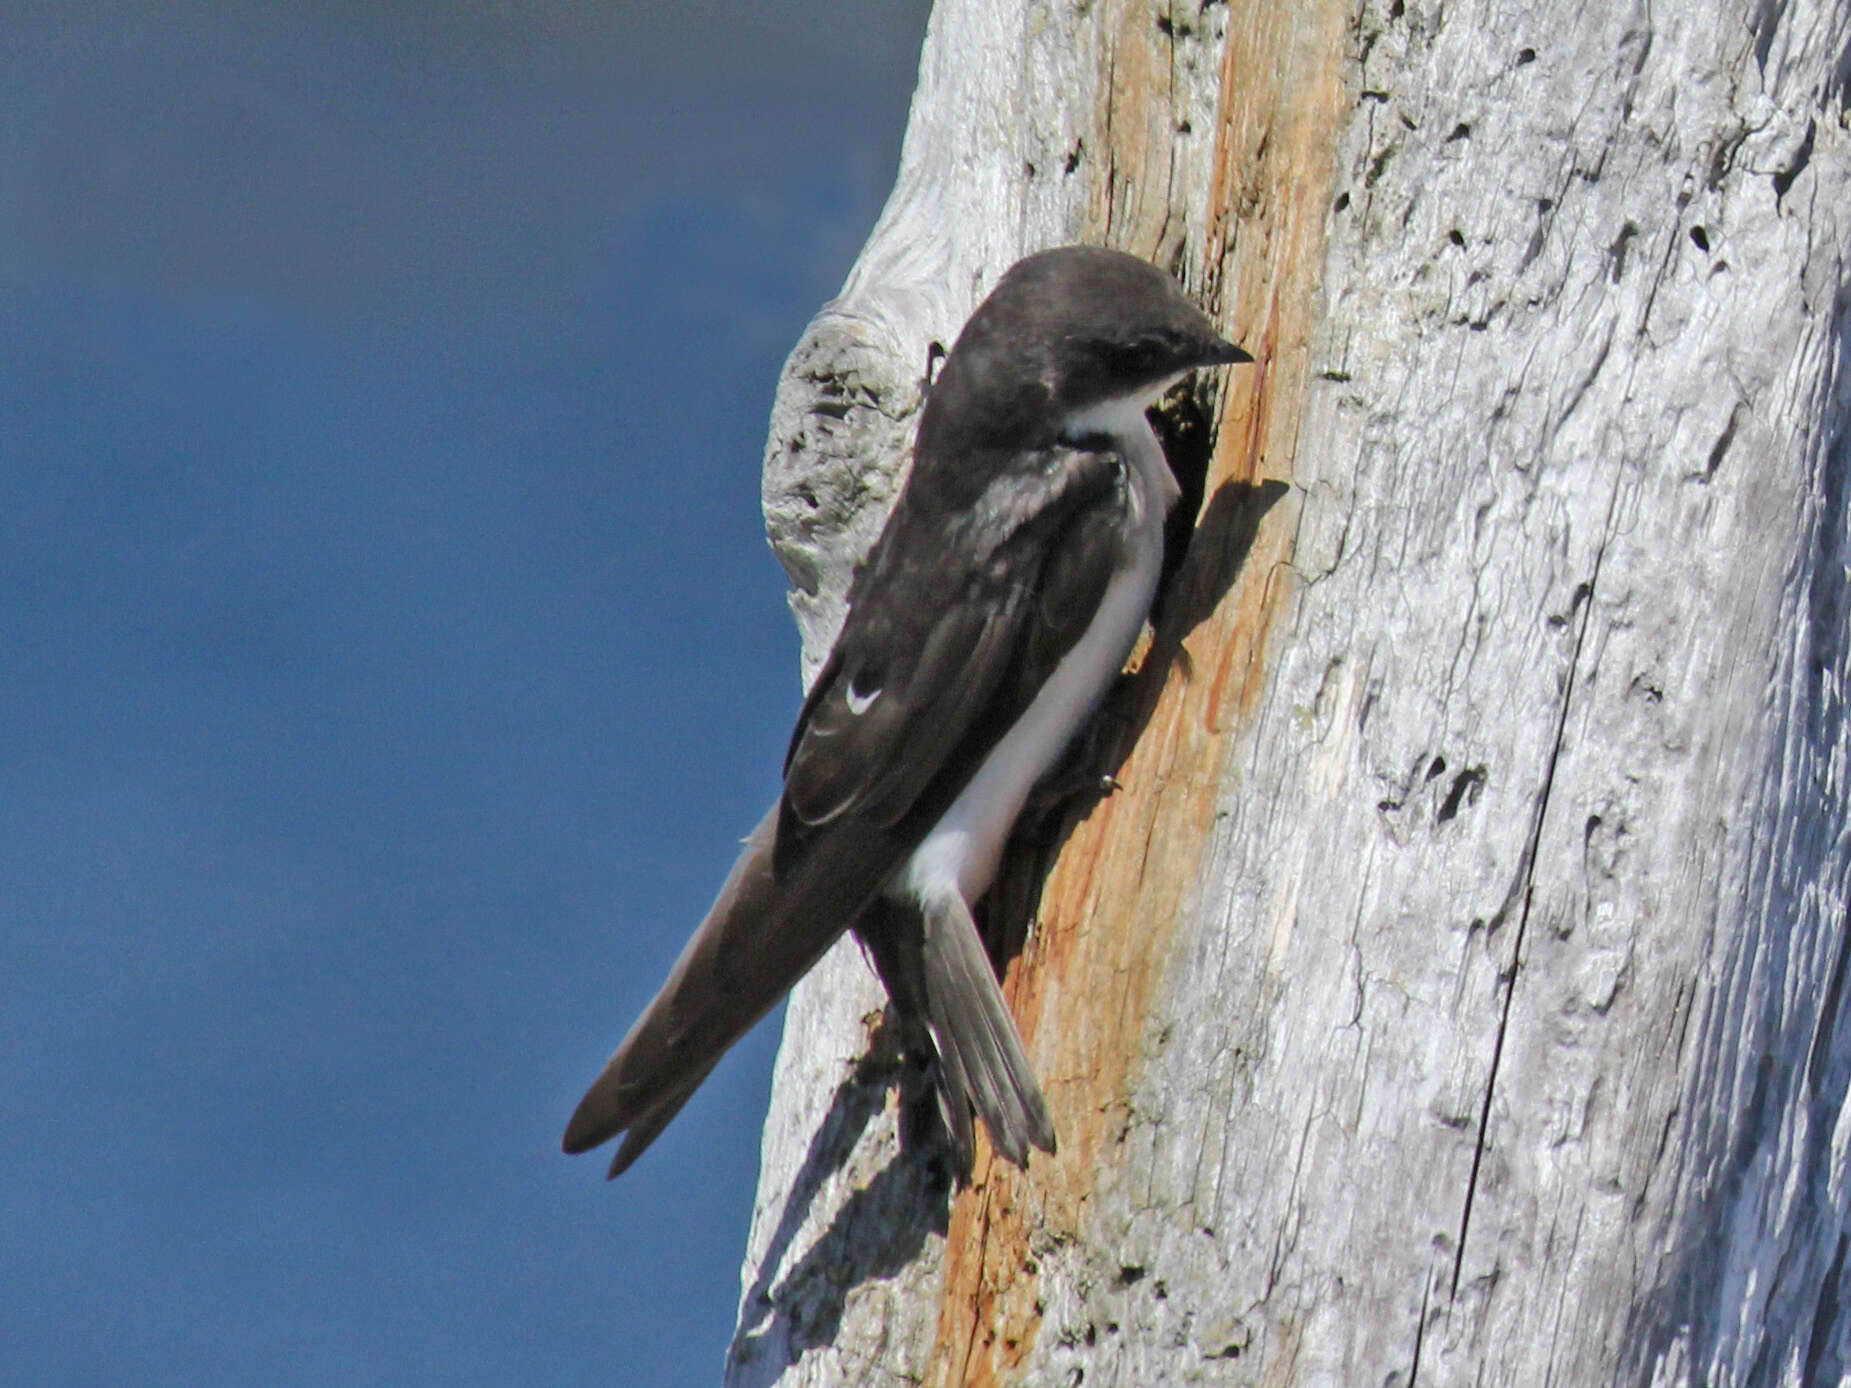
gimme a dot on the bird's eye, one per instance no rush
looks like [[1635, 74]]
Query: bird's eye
[[1140, 356]]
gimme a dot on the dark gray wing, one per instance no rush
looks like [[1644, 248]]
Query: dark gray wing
[[766, 929], [943, 613], [1073, 583], [936, 627]]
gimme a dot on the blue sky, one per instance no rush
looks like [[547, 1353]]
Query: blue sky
[[389, 659]]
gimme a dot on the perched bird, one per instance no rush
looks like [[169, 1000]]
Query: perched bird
[[983, 629]]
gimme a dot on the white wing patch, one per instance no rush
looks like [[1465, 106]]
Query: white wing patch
[[859, 703]]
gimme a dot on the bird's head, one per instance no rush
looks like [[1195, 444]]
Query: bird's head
[[1064, 332]]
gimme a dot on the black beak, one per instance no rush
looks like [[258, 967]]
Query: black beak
[[1225, 353]]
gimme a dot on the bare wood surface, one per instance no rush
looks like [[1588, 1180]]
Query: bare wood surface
[[1452, 995]]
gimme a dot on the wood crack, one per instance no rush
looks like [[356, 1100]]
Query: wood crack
[[1420, 1331], [1584, 595]]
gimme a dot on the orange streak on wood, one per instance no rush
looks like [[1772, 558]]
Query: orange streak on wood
[[1083, 985]]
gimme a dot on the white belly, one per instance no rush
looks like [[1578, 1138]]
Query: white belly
[[962, 850]]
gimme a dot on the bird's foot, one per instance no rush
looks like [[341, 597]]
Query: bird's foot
[[1055, 791]]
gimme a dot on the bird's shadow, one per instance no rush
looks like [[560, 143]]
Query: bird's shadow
[[875, 1233], [880, 1228]]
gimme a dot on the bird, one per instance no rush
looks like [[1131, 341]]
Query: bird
[[999, 603]]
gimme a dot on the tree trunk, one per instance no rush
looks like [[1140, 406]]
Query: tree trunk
[[1451, 994]]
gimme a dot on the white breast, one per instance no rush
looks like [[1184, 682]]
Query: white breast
[[962, 850]]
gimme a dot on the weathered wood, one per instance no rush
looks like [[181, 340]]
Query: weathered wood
[[1453, 992]]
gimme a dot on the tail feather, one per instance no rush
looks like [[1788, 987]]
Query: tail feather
[[645, 1129], [892, 932], [766, 929], [984, 1066]]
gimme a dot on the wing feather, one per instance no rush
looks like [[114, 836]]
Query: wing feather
[[936, 626]]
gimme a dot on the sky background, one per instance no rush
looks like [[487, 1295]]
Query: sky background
[[390, 658]]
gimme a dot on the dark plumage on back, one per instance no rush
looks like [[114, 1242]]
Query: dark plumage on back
[[982, 629]]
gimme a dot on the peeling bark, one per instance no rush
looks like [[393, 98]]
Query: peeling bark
[[1453, 992]]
